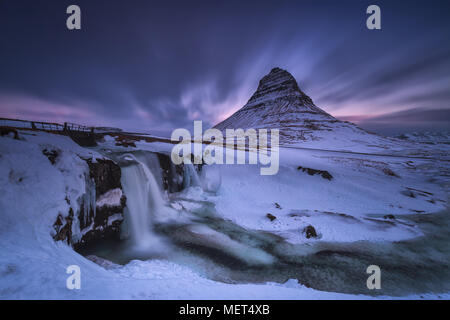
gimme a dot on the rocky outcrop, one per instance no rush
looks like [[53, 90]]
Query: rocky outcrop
[[172, 175], [63, 227], [51, 154], [84, 139], [310, 232], [324, 174], [99, 211]]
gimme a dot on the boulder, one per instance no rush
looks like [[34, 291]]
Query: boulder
[[310, 232], [325, 174]]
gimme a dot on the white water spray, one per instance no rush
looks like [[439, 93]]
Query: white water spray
[[191, 178]]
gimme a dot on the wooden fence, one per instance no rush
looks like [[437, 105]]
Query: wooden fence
[[45, 126]]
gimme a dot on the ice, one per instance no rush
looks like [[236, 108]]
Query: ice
[[33, 193]]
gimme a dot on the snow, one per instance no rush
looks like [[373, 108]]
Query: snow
[[114, 217], [359, 188], [110, 199], [33, 192], [373, 176]]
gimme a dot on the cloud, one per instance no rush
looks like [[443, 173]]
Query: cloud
[[405, 121], [150, 66]]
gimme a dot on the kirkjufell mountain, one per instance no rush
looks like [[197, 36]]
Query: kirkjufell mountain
[[279, 103]]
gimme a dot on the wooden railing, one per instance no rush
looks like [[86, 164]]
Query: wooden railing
[[45, 126]]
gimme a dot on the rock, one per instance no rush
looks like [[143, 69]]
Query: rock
[[96, 219], [310, 232], [277, 205], [106, 174], [82, 138], [8, 131], [102, 262], [172, 175], [271, 216], [325, 174], [63, 227], [51, 155], [408, 193], [389, 216], [389, 172], [126, 141]]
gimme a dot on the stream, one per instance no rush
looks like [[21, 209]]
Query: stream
[[223, 251]]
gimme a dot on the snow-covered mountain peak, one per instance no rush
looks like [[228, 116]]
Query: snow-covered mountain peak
[[277, 86], [279, 103]]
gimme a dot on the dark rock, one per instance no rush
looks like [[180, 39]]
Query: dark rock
[[312, 172], [63, 227], [4, 131], [277, 205], [408, 193], [389, 216], [106, 174], [84, 139], [389, 172], [271, 217], [51, 155], [310, 232], [172, 175], [127, 140]]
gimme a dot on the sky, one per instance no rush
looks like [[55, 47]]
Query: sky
[[158, 65]]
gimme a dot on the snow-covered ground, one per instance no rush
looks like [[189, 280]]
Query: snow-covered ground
[[349, 208]]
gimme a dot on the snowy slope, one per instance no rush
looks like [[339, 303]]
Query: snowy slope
[[341, 209], [33, 265]]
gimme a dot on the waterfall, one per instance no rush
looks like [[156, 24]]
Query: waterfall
[[144, 202], [191, 177]]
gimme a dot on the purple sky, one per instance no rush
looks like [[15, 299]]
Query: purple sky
[[158, 65]]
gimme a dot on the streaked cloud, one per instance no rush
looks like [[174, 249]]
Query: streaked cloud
[[156, 65]]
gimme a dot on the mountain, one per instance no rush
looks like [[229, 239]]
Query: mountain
[[278, 103]]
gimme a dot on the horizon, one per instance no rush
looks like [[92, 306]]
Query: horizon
[[173, 70]]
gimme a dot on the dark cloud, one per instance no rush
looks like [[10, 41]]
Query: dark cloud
[[415, 115], [406, 120], [161, 64]]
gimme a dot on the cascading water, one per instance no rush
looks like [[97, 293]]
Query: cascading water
[[144, 202], [191, 178]]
